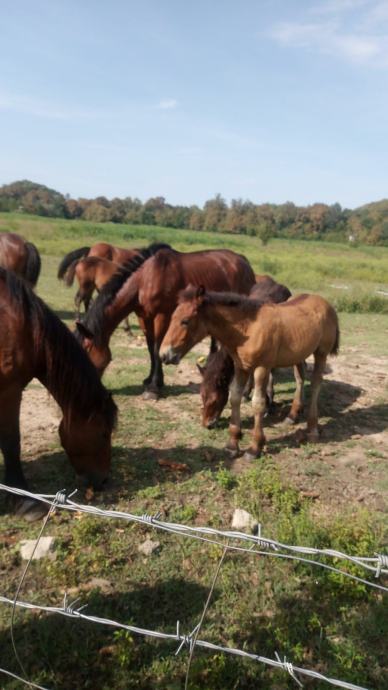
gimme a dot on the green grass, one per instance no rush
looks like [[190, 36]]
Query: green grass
[[315, 618]]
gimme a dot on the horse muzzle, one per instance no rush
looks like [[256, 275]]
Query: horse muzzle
[[170, 356]]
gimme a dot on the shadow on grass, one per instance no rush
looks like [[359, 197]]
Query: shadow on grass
[[133, 469], [167, 391], [78, 654]]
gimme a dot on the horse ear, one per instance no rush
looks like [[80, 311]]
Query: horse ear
[[84, 330]]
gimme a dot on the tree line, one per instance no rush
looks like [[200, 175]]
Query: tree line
[[367, 224]]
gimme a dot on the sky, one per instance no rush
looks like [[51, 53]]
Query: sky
[[267, 100]]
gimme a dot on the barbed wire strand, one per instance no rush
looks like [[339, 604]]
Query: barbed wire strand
[[70, 612], [205, 608], [22, 680], [273, 546]]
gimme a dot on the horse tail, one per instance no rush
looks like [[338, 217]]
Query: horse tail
[[76, 254], [70, 273], [335, 347], [33, 264]]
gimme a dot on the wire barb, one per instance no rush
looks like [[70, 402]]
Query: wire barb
[[288, 666], [382, 562]]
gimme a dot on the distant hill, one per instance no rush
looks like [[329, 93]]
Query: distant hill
[[367, 224]]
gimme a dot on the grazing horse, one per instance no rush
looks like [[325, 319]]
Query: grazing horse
[[19, 256], [218, 372], [259, 337], [102, 250], [35, 343], [149, 285], [92, 273]]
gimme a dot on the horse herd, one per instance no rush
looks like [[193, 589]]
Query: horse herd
[[179, 299]]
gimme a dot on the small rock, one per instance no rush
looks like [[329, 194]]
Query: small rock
[[243, 520], [44, 548], [148, 547]]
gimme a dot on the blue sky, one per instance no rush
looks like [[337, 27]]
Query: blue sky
[[270, 100]]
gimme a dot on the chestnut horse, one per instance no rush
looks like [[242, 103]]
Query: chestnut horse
[[92, 273], [20, 256], [103, 250], [149, 285], [218, 372], [35, 343], [258, 337]]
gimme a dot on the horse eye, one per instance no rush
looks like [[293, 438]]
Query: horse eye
[[185, 322]]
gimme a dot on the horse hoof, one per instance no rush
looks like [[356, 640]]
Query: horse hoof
[[232, 452], [313, 436], [290, 420], [150, 395], [31, 510], [250, 455]]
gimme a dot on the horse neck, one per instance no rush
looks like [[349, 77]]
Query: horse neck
[[225, 324], [125, 302]]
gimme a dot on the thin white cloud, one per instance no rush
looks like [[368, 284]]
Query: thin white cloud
[[43, 109], [354, 30], [167, 104]]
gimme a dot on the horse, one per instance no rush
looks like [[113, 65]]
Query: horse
[[35, 343], [102, 250], [149, 285], [92, 273], [20, 256], [218, 372], [259, 337]]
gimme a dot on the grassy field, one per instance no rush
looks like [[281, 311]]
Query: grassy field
[[332, 494]]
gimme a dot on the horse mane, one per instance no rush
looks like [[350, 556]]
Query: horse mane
[[62, 365], [94, 317], [223, 299]]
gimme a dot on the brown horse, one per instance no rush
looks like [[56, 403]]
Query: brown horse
[[92, 273], [35, 343], [218, 372], [258, 337], [20, 256], [149, 285], [102, 250]]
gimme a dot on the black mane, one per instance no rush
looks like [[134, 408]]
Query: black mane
[[93, 320], [61, 364]]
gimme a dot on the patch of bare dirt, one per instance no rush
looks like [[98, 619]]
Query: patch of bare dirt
[[39, 421]]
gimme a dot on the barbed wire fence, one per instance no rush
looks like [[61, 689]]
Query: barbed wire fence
[[230, 541]]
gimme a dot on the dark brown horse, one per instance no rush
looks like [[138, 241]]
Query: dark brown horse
[[149, 285], [102, 250], [258, 337], [20, 256], [218, 372], [35, 343]]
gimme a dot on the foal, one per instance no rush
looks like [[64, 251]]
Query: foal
[[218, 372], [258, 337]]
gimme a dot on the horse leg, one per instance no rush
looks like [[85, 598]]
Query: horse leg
[[269, 394], [160, 324], [77, 301], [316, 380], [127, 327], [213, 345], [259, 404], [10, 438], [248, 387], [236, 393], [298, 401], [10, 447], [148, 330]]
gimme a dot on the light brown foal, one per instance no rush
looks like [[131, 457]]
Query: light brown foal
[[258, 337]]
